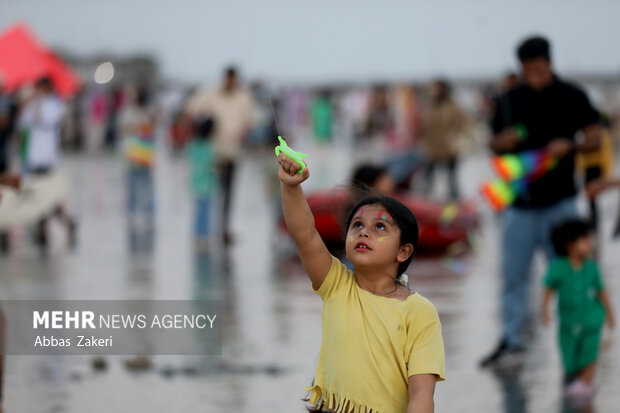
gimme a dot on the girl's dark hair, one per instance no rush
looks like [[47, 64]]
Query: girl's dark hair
[[367, 175], [567, 232], [404, 218], [204, 127]]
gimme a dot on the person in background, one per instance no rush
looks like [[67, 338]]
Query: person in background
[[596, 164], [8, 119], [375, 177], [181, 130], [379, 119], [12, 181], [594, 189], [552, 111], [262, 135], [583, 304], [137, 131], [115, 105], [73, 130], [442, 130], [232, 110], [40, 122], [377, 128], [322, 115], [510, 81], [404, 158], [97, 118], [202, 178]]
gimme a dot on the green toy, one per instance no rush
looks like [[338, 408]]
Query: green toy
[[296, 156]]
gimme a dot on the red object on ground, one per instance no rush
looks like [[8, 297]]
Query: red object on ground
[[24, 60], [330, 208]]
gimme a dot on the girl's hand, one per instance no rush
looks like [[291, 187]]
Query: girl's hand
[[610, 320], [288, 171]]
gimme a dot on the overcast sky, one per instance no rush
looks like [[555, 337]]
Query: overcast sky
[[329, 40]]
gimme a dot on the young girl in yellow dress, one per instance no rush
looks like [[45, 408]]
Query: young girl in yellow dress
[[382, 349]]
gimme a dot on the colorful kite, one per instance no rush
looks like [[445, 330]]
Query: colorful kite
[[528, 165], [516, 172]]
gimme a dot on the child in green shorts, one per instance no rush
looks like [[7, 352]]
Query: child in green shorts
[[583, 304]]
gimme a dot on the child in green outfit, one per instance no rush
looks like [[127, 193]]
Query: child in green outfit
[[583, 304], [202, 180]]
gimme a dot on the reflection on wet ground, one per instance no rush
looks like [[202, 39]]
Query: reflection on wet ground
[[271, 318]]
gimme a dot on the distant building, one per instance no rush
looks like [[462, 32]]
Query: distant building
[[140, 69]]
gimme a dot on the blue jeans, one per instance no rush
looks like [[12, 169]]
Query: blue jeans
[[401, 166], [141, 194], [201, 221], [524, 230]]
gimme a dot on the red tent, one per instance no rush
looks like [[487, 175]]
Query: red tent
[[24, 60]]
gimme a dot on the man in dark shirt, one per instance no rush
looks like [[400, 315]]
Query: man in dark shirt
[[544, 113]]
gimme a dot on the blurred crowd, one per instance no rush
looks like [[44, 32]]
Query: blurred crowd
[[412, 129]]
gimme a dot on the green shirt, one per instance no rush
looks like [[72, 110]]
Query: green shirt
[[578, 290], [202, 168], [322, 114]]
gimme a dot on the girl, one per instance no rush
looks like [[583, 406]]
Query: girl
[[382, 349], [583, 304], [203, 179]]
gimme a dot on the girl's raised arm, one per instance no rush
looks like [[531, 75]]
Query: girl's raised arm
[[314, 255]]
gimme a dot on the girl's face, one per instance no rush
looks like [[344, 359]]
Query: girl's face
[[581, 248], [373, 239]]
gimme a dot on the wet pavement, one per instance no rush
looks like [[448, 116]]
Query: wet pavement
[[271, 318]]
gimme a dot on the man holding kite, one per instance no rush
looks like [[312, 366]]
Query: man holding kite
[[551, 119]]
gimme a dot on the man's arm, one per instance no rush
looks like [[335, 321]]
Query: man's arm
[[504, 142], [587, 119], [592, 139], [561, 147], [421, 391], [504, 138], [589, 116]]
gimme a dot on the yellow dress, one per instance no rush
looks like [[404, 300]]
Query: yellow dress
[[371, 346]]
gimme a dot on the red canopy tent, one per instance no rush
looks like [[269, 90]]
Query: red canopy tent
[[24, 60]]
